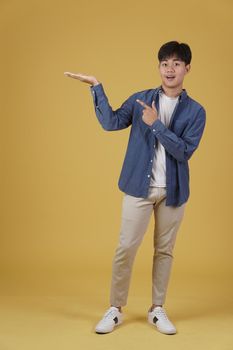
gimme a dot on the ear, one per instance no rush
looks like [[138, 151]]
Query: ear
[[188, 67]]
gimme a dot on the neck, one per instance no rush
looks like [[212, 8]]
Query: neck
[[172, 92]]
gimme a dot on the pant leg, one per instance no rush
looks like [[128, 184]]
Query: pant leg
[[167, 223], [136, 213]]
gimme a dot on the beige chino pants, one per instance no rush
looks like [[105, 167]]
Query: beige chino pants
[[136, 213]]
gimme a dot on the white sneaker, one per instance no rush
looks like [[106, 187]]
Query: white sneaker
[[158, 318], [113, 317]]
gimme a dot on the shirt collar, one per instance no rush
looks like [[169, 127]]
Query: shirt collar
[[182, 95]]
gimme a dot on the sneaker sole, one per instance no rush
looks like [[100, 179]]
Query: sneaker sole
[[102, 332], [160, 330]]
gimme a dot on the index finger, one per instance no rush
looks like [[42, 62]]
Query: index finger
[[142, 103]]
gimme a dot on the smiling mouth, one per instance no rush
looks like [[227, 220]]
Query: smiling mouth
[[170, 77]]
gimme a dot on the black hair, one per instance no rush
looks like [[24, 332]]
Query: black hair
[[171, 48]]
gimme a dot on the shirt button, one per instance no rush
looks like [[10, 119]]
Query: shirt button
[[148, 175], [151, 160], [154, 146], [154, 130]]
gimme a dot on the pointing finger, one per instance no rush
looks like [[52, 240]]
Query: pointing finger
[[142, 103]]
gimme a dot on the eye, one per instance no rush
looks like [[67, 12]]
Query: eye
[[164, 64], [177, 63]]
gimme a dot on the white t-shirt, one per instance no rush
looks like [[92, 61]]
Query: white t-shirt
[[166, 107]]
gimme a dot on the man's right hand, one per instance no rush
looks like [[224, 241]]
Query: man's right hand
[[85, 78]]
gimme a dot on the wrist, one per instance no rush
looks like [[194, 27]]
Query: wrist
[[96, 82]]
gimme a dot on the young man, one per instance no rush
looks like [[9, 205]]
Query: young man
[[166, 128]]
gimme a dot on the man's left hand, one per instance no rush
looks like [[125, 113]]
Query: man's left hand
[[150, 114]]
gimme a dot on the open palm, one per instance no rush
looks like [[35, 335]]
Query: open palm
[[89, 79]]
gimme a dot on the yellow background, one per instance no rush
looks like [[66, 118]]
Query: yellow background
[[60, 203]]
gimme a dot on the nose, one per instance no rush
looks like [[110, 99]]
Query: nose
[[170, 68]]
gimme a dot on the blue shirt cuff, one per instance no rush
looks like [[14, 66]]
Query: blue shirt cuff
[[157, 127]]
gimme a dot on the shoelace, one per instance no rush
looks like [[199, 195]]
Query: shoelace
[[109, 314], [162, 313]]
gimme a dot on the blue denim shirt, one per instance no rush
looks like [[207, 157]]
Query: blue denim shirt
[[180, 139]]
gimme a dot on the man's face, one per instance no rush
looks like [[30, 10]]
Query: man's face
[[172, 71]]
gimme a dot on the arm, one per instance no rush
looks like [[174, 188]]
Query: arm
[[183, 147], [109, 119]]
